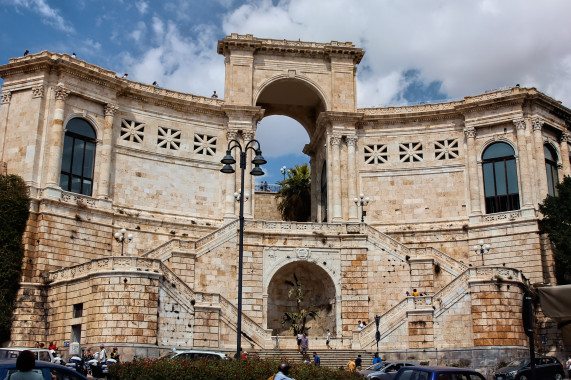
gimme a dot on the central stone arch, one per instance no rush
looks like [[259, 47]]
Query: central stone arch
[[319, 293], [313, 83]]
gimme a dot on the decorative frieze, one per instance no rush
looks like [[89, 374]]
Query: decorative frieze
[[110, 109]]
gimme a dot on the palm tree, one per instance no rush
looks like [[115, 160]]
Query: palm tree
[[295, 194]]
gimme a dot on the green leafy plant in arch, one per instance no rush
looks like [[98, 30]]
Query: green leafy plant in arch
[[295, 195], [14, 212], [296, 320]]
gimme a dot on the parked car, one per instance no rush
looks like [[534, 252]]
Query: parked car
[[546, 367], [195, 354], [49, 371], [438, 373], [41, 354], [385, 370]]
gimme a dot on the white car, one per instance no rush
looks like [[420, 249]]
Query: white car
[[195, 354], [42, 354]]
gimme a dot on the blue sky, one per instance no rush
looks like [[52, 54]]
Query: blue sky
[[416, 50]]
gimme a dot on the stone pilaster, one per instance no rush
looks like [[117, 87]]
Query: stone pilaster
[[248, 179], [334, 180], [5, 97], [105, 153], [352, 176], [523, 160], [537, 125], [474, 182], [55, 137], [229, 201], [564, 149]]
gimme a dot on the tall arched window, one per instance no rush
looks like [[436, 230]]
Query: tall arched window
[[78, 157], [500, 178], [551, 169]]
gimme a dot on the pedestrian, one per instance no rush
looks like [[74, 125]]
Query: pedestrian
[[316, 360], [328, 339], [52, 346], [102, 355], [568, 366], [299, 338], [351, 365], [115, 354], [407, 293], [360, 327], [25, 363], [358, 362], [377, 358], [37, 344], [283, 372], [304, 345], [415, 293]]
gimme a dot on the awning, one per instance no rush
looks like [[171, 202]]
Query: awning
[[556, 304]]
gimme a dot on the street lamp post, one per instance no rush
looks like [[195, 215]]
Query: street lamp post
[[482, 248], [120, 237], [362, 202], [283, 170], [228, 161]]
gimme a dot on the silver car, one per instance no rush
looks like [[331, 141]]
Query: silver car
[[387, 370]]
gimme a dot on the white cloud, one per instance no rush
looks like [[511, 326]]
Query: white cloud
[[142, 6], [49, 15]]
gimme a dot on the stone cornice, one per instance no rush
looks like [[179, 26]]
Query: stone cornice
[[66, 65], [249, 42]]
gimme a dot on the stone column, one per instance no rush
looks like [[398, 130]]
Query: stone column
[[104, 188], [564, 149], [335, 179], [542, 189], [248, 179], [474, 182], [55, 138], [352, 177], [523, 163], [229, 201], [6, 96]]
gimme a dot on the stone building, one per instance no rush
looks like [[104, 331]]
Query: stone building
[[101, 153]]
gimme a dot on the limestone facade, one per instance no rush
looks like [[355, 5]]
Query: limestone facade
[[156, 172]]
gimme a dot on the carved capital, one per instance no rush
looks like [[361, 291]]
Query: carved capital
[[351, 140], [565, 137], [537, 124], [519, 123], [335, 140], [470, 133], [231, 134], [61, 92], [6, 97], [38, 91], [248, 135], [110, 109]]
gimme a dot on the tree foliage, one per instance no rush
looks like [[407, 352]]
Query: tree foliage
[[297, 319], [14, 212], [295, 195], [556, 223]]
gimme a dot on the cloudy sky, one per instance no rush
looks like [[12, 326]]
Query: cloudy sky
[[416, 50]]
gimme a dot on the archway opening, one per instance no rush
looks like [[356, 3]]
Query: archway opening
[[318, 294]]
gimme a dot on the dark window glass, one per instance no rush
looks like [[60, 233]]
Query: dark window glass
[[551, 169], [78, 157], [500, 178]]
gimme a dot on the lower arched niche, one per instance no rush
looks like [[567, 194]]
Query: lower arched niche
[[318, 293]]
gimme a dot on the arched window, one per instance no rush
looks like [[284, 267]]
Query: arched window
[[500, 178], [551, 169], [78, 157]]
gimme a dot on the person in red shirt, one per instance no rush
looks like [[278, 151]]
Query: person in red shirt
[[52, 346]]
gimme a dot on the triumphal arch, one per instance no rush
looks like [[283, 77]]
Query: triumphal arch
[[101, 153]]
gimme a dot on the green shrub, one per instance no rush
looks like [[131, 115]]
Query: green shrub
[[202, 369]]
